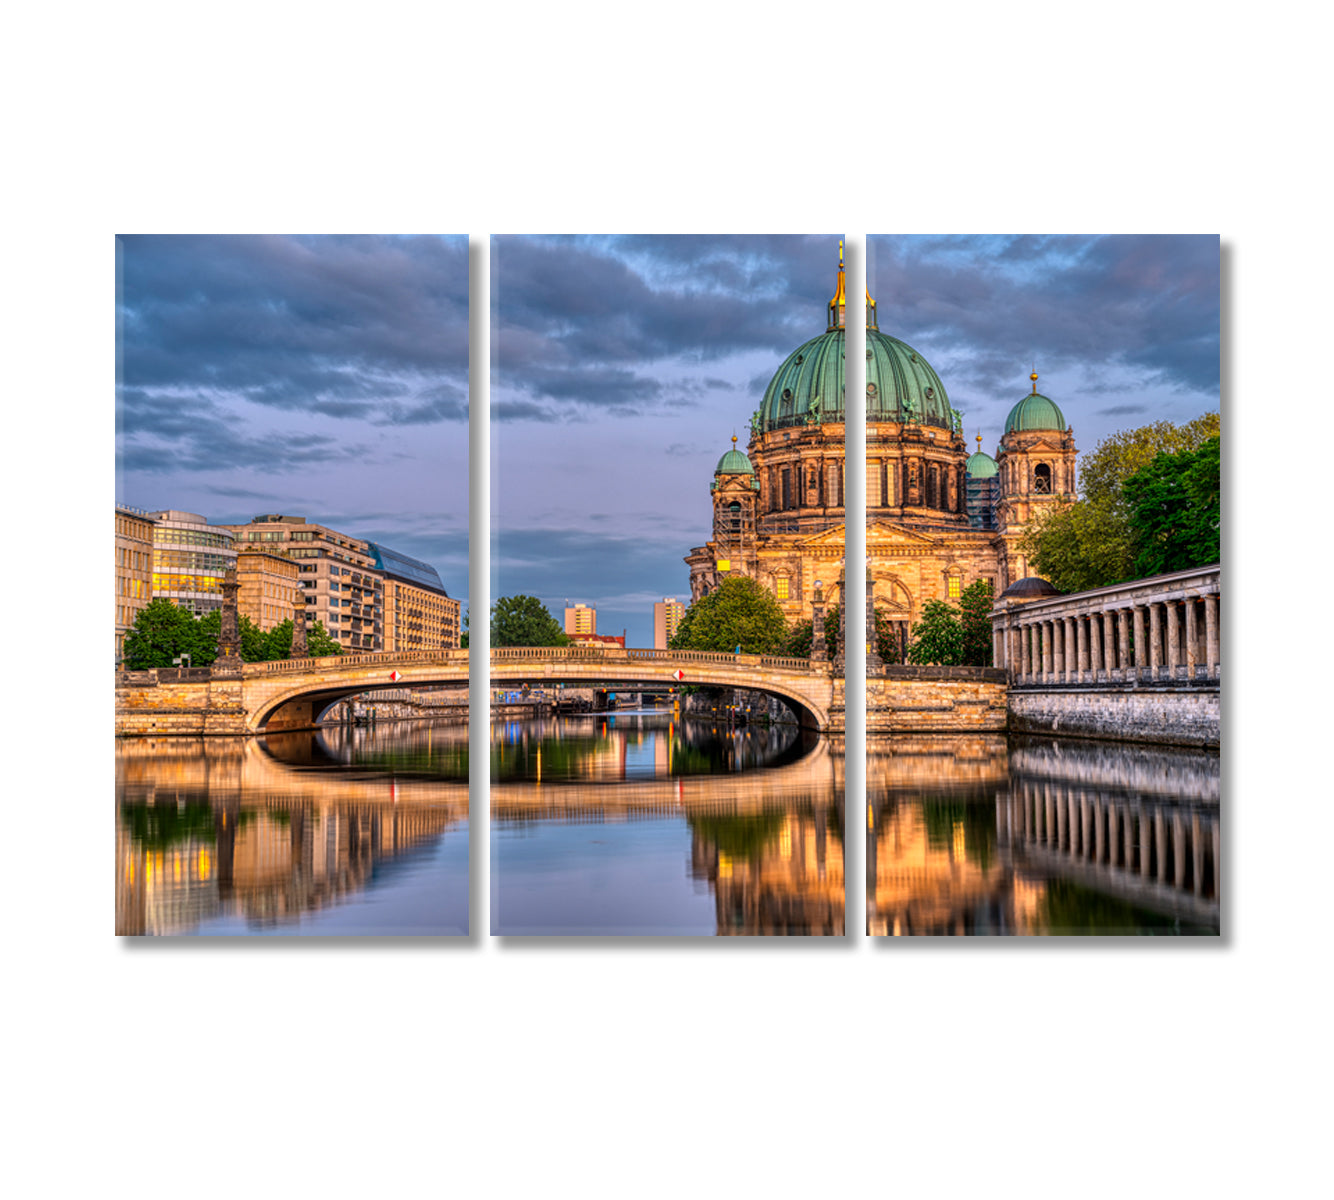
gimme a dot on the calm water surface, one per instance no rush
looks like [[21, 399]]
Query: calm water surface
[[980, 835], [342, 832], [638, 823]]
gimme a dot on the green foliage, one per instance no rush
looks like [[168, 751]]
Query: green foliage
[[974, 613], [1174, 505], [1094, 542], [278, 642], [524, 621], [161, 632], [801, 637], [937, 639], [739, 612]]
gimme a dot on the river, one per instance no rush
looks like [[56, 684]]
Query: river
[[344, 832], [645, 824]]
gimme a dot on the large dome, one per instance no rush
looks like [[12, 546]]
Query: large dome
[[900, 385]]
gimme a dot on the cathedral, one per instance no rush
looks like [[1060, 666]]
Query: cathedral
[[938, 517]]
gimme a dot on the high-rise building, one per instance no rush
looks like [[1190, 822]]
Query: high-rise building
[[335, 571], [134, 569], [190, 559], [418, 613], [667, 614], [581, 619]]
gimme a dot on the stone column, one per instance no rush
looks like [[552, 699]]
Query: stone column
[[997, 647], [1095, 646], [1141, 645], [1082, 648], [1155, 641], [1026, 633], [1109, 647], [1015, 653], [819, 647], [1123, 644], [228, 661], [1047, 665], [1071, 663], [1211, 635], [299, 649], [1172, 614], [1191, 637]]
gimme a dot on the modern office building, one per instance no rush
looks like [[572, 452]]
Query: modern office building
[[190, 558], [581, 619], [667, 614], [335, 571], [269, 585], [418, 613], [134, 568]]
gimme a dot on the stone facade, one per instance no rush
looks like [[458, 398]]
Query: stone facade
[[134, 569]]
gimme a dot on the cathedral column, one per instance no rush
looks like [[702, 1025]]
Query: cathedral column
[[1211, 636]]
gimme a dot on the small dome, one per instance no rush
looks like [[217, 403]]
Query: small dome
[[1031, 587], [734, 463], [982, 466], [1034, 412]]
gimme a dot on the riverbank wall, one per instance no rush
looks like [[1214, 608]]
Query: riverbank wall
[[1165, 716]]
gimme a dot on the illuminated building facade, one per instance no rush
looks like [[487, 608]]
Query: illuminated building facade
[[667, 614], [134, 569], [938, 518], [269, 586], [419, 614], [190, 559], [581, 619]]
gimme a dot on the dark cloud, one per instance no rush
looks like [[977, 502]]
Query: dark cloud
[[612, 324], [1144, 305], [342, 327]]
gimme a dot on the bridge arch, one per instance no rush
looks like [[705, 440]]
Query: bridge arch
[[296, 693]]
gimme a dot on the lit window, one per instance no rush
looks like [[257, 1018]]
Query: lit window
[[954, 587], [782, 589]]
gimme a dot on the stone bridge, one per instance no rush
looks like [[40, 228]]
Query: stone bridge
[[295, 693]]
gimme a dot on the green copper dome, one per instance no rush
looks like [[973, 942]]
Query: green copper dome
[[981, 466], [1034, 412], [900, 385], [734, 463]]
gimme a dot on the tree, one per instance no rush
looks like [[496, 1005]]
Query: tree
[[1091, 543], [466, 634], [1174, 505], [524, 621], [739, 612], [937, 639], [801, 636], [975, 604], [278, 642], [163, 631], [254, 641]]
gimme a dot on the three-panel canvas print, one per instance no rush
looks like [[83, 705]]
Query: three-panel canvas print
[[703, 697]]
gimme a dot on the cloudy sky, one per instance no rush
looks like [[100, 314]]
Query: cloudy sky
[[622, 365], [324, 377]]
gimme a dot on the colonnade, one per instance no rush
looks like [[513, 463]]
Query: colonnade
[[1159, 630]]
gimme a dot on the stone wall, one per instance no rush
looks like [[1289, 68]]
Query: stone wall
[[1173, 717], [172, 703], [907, 699]]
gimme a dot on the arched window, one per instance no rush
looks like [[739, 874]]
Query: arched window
[[1042, 479], [734, 516]]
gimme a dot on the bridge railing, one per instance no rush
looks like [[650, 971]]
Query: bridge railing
[[534, 654], [336, 661]]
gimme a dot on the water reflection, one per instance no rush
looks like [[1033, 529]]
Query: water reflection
[[644, 824], [298, 833], [1041, 836]]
